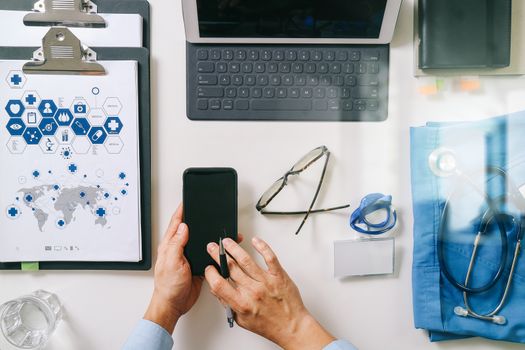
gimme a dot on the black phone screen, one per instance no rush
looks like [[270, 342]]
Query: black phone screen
[[210, 211]]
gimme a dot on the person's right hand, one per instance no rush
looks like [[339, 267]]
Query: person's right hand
[[266, 302]]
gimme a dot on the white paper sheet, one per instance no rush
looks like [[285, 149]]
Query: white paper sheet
[[122, 30], [69, 185], [362, 257]]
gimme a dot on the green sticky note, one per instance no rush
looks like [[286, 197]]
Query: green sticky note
[[30, 266]]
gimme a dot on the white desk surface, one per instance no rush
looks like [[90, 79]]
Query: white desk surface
[[375, 312]]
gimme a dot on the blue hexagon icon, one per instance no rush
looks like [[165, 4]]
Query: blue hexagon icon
[[47, 108], [97, 135], [15, 127], [32, 136], [113, 125], [64, 117], [48, 126], [80, 126], [15, 108]]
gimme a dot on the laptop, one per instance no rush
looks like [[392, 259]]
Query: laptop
[[295, 60]]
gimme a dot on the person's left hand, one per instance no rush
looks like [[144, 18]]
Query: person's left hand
[[176, 290]]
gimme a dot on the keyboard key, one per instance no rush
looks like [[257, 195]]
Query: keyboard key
[[317, 56], [335, 68], [362, 68], [281, 105], [235, 67], [221, 67], [273, 68], [269, 92], [325, 80], [231, 92], [237, 79], [319, 92], [291, 55], [345, 92], [354, 56], [250, 80], [275, 80], [365, 92], [287, 80], [260, 68], [368, 80], [307, 92], [256, 92], [227, 105], [210, 92], [313, 80], [281, 92], [278, 55], [202, 55], [215, 55], [294, 93], [207, 79], [247, 67], [320, 105], [300, 80], [266, 55], [372, 105], [348, 68], [227, 55], [253, 55], [297, 67], [342, 55], [373, 68], [304, 55], [347, 105], [202, 104], [370, 55], [240, 55], [309, 67], [242, 105], [205, 67], [329, 55], [215, 104], [338, 80], [285, 67], [332, 92], [350, 80], [244, 92], [262, 80], [334, 105], [360, 105], [322, 68]]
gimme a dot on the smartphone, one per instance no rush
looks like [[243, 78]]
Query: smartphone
[[210, 211]]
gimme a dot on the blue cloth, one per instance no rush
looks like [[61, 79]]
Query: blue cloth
[[497, 142], [150, 336]]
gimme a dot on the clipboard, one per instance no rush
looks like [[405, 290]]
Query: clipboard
[[140, 7], [141, 55]]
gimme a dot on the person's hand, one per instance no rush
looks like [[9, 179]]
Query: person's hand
[[176, 291], [266, 302]]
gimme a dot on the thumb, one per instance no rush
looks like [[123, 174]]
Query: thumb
[[181, 236]]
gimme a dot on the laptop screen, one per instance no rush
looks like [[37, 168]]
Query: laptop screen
[[290, 18]]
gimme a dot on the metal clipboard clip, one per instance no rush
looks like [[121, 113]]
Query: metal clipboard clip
[[62, 53], [69, 13]]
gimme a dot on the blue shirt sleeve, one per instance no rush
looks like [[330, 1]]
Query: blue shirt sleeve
[[149, 335], [340, 345]]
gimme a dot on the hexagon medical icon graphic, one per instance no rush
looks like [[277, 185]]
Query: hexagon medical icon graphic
[[15, 108], [64, 117], [48, 126], [16, 79], [80, 126], [32, 136], [97, 135], [113, 125], [47, 108], [15, 126]]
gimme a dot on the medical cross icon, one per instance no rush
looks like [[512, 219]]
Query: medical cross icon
[[101, 212], [12, 211], [16, 79], [31, 99]]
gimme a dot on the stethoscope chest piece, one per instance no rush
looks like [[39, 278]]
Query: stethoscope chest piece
[[442, 162]]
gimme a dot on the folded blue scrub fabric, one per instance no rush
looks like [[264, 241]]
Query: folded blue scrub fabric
[[458, 166]]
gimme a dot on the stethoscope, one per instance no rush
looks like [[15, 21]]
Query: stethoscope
[[443, 163]]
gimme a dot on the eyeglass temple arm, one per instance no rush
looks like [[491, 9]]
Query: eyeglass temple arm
[[304, 212]]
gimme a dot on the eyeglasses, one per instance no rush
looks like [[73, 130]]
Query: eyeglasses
[[310, 158]]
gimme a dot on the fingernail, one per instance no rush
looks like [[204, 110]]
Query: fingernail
[[181, 229], [227, 241], [211, 246], [256, 241]]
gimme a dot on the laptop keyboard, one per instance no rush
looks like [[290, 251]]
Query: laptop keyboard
[[271, 82]]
